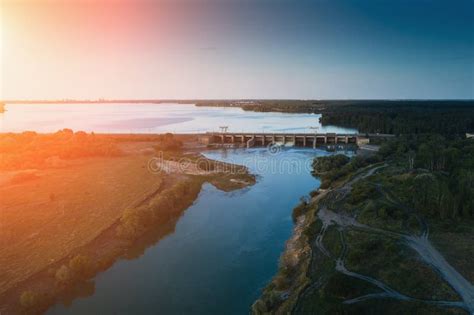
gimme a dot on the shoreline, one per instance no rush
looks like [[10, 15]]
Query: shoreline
[[300, 253], [108, 247], [321, 268], [103, 251]]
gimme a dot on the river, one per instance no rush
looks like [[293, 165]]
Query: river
[[226, 246], [224, 250]]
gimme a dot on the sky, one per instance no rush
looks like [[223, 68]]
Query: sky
[[231, 49]]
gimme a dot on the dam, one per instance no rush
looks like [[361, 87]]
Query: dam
[[310, 140]]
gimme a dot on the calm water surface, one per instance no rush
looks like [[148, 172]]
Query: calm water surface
[[224, 250], [151, 118]]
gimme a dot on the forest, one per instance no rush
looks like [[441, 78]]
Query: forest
[[404, 117], [443, 169], [446, 117], [439, 173]]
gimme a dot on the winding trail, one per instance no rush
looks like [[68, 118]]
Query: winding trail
[[420, 243], [434, 258], [319, 241]]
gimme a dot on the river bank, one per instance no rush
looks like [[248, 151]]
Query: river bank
[[227, 234], [93, 212], [352, 255]]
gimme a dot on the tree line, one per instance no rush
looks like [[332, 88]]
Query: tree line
[[404, 117], [442, 184], [439, 171]]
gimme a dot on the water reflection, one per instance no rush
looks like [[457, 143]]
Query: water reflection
[[217, 256]]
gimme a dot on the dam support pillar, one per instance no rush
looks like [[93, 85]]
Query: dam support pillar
[[250, 142]]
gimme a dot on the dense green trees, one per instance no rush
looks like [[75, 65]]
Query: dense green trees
[[440, 172], [329, 163], [403, 117], [443, 169], [336, 167], [374, 116]]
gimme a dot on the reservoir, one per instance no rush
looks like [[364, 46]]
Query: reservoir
[[152, 118], [224, 250]]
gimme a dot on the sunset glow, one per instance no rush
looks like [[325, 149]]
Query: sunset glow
[[236, 157], [235, 49]]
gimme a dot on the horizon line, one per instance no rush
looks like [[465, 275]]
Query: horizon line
[[163, 100]]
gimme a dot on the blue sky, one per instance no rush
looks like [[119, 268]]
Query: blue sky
[[240, 49]]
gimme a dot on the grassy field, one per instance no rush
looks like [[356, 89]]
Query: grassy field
[[62, 223]]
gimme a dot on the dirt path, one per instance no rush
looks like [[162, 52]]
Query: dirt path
[[420, 244], [435, 259]]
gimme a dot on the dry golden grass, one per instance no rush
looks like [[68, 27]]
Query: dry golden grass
[[46, 216], [64, 194]]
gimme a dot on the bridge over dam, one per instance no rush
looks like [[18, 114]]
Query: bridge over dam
[[311, 140]]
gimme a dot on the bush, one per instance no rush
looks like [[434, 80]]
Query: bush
[[81, 267], [168, 142], [325, 164], [314, 193], [29, 300], [134, 221], [299, 209], [281, 282], [64, 275], [361, 192]]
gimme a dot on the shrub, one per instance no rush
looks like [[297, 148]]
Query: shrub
[[281, 282], [63, 275], [329, 163], [299, 209], [81, 267], [168, 142], [29, 300], [135, 221], [314, 193], [361, 192], [34, 303]]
